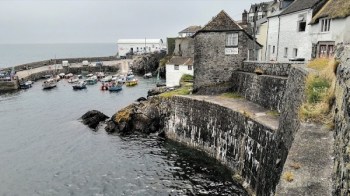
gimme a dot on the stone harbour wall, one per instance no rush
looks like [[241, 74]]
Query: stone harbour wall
[[8, 85], [265, 90], [267, 68], [232, 137], [342, 123]]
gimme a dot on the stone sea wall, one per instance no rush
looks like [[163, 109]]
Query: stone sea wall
[[265, 90], [342, 123], [8, 86], [267, 68]]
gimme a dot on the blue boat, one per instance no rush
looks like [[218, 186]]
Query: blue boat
[[117, 87]]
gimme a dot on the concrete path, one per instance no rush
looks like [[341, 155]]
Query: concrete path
[[26, 73], [312, 151], [253, 110]]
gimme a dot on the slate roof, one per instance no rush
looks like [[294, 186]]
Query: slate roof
[[179, 60], [221, 22], [299, 5], [191, 29], [333, 9]]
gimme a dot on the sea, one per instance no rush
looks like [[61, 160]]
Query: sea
[[16, 54], [46, 150]]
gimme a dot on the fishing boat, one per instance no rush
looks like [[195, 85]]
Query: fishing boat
[[91, 80], [73, 80], [130, 77], [100, 75], [116, 87], [90, 75], [121, 79], [67, 76], [105, 86], [25, 85], [107, 79], [131, 82], [80, 76], [61, 75], [79, 86], [49, 83]]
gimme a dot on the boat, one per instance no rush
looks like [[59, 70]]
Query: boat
[[107, 79], [67, 76], [25, 85], [46, 76], [73, 80], [61, 75], [121, 79], [100, 75], [79, 86], [80, 76], [147, 75], [130, 77], [49, 83], [115, 87], [105, 86], [131, 82], [58, 78], [89, 75], [91, 80]]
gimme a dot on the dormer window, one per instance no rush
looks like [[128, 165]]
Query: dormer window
[[325, 25], [232, 39]]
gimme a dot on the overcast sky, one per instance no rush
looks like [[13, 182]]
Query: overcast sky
[[101, 21]]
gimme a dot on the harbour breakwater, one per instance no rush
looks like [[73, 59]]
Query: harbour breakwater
[[240, 133]]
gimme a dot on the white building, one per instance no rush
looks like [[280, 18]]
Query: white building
[[176, 68], [137, 46], [288, 32], [329, 27], [189, 31]]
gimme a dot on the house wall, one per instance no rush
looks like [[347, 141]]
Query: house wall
[[339, 31], [290, 37], [211, 65], [173, 76], [187, 47], [261, 37], [125, 48], [272, 38]]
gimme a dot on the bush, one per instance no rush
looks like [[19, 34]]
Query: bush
[[186, 77]]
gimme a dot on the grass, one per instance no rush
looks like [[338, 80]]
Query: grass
[[123, 115], [319, 91], [232, 95], [186, 77], [185, 89], [273, 113], [288, 176], [164, 60]]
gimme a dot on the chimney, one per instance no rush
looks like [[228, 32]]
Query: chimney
[[244, 17]]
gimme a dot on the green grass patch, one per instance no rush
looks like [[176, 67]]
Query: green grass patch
[[185, 89], [273, 113], [186, 77], [318, 64], [232, 95]]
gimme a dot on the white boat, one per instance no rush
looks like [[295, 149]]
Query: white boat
[[147, 75], [67, 76], [73, 80], [89, 75], [100, 75], [107, 79], [49, 83], [79, 86], [62, 75]]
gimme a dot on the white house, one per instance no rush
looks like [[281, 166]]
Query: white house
[[330, 26], [176, 68], [139, 46], [288, 32], [189, 31]]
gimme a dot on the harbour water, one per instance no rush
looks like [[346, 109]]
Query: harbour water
[[15, 54], [46, 150]]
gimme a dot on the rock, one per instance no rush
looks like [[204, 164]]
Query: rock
[[147, 62], [157, 91], [141, 99], [143, 117], [93, 118]]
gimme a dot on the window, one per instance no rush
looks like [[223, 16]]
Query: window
[[285, 52], [325, 25], [295, 52], [302, 23], [232, 39], [273, 49], [176, 67], [190, 67]]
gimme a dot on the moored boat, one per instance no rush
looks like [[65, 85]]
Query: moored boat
[[147, 75], [25, 85], [67, 76], [73, 80], [132, 82], [91, 80], [49, 83], [90, 75], [80, 85], [107, 79], [116, 87]]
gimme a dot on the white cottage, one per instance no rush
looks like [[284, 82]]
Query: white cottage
[[330, 26], [176, 68], [139, 46], [288, 32]]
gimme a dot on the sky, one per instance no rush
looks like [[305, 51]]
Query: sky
[[106, 21]]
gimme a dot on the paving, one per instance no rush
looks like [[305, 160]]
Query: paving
[[253, 110], [312, 151]]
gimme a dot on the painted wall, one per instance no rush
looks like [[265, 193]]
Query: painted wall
[[124, 48], [173, 76], [339, 31], [272, 38], [261, 37], [290, 37], [184, 47]]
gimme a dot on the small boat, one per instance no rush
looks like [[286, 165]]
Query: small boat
[[61, 75], [58, 78], [104, 86], [132, 82], [80, 76], [67, 76], [79, 86], [121, 79], [25, 85], [147, 75], [91, 80], [46, 76], [107, 79], [130, 77], [100, 75], [49, 83], [89, 75], [115, 87], [73, 80]]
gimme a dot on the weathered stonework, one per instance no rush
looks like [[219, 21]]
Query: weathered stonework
[[267, 68], [342, 124], [211, 64], [265, 90], [184, 46]]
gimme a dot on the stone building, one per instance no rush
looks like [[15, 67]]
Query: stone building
[[220, 47]]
